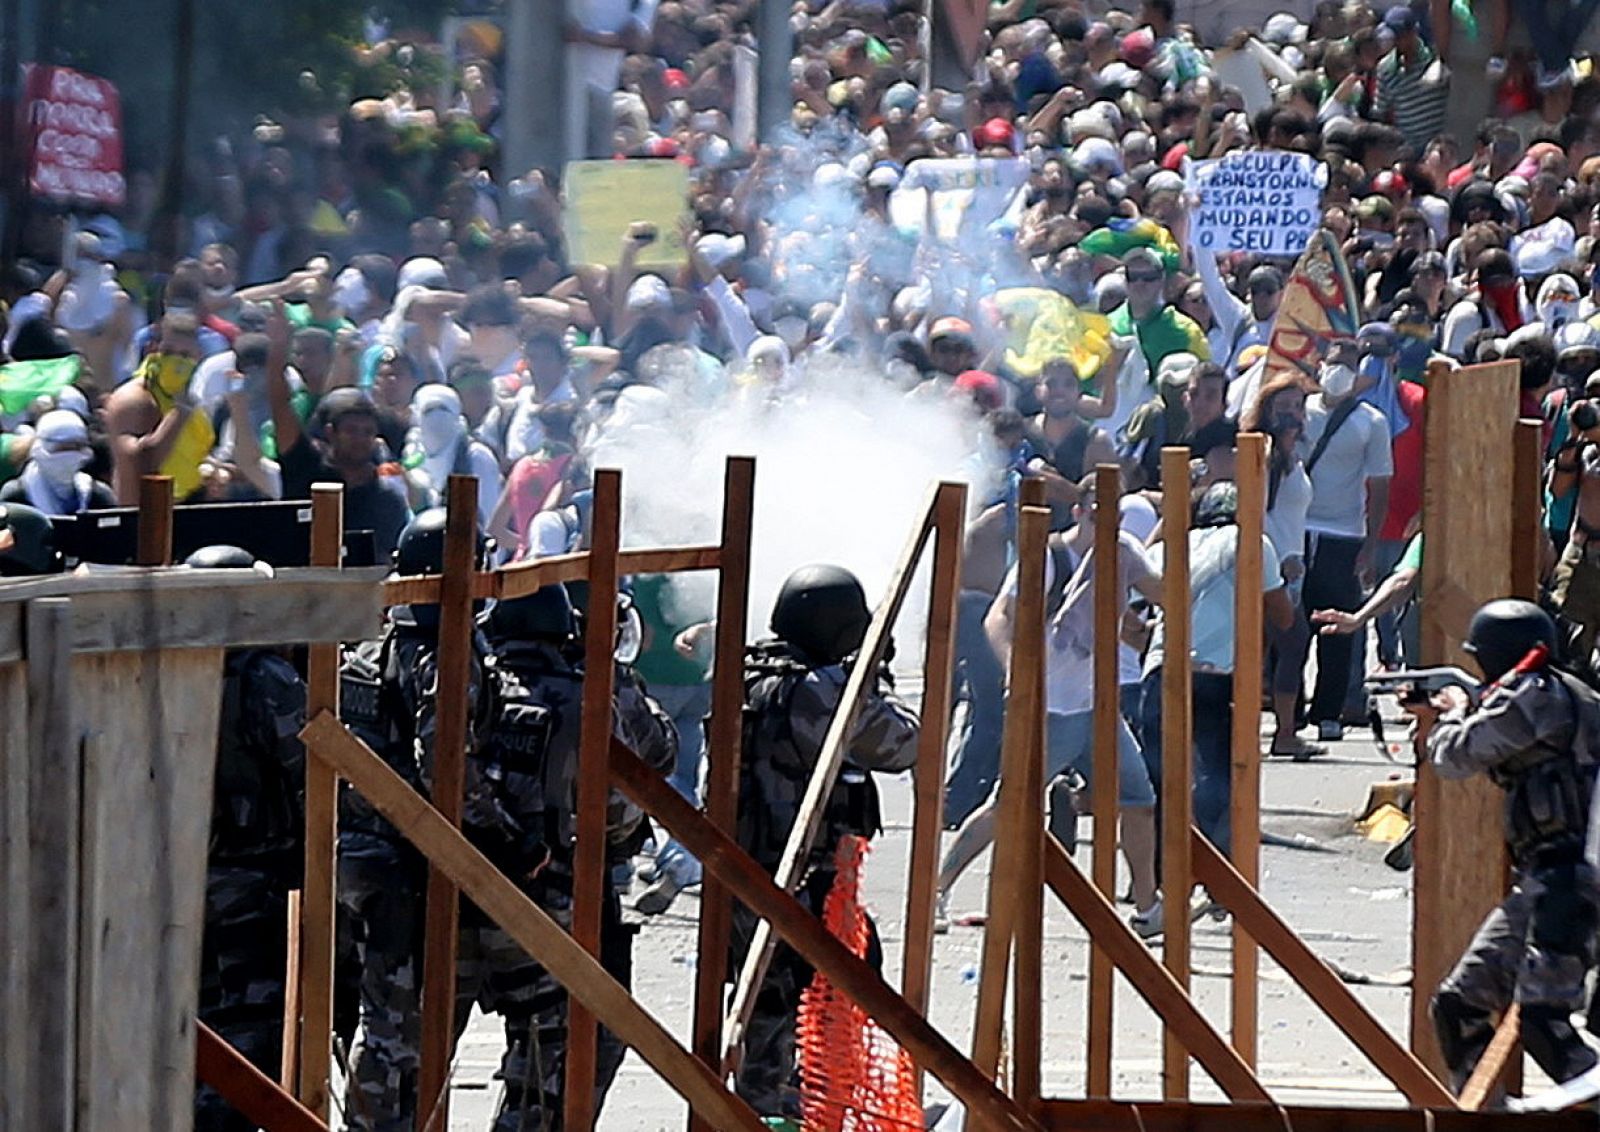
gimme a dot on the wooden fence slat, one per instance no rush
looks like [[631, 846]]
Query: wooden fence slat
[[590, 878], [449, 784], [256, 1096], [1108, 604], [986, 1105], [1177, 745], [522, 578], [155, 522], [1154, 982], [309, 998], [503, 902], [819, 788], [1495, 1061], [949, 524], [722, 759], [1316, 978], [1027, 867], [1020, 746], [1245, 823]]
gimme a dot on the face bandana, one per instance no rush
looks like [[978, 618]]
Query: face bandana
[[166, 376], [58, 468]]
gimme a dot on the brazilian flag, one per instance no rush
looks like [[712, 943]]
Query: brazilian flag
[[22, 383]]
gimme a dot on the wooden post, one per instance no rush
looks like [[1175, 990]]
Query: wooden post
[[155, 521], [1109, 600], [1246, 771], [1495, 1062], [1527, 509], [722, 760], [590, 879], [927, 819], [1177, 743], [1027, 998], [309, 997], [1018, 830], [1468, 537], [449, 778]]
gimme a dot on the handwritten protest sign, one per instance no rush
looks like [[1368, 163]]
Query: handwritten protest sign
[[968, 193], [604, 197], [75, 124], [1263, 201]]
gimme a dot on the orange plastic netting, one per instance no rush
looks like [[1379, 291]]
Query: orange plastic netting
[[853, 1077]]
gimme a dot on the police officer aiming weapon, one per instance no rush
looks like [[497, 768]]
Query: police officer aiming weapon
[[1535, 732]]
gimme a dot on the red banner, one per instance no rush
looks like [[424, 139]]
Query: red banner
[[75, 123]]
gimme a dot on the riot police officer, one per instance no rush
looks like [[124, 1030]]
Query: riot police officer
[[27, 542], [1536, 733], [255, 854], [521, 811], [387, 698], [792, 685]]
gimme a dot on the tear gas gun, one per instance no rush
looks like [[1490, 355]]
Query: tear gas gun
[[1414, 685]]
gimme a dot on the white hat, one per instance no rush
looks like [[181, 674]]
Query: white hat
[[1282, 29], [1096, 151], [422, 271], [719, 249], [648, 292], [1175, 368]]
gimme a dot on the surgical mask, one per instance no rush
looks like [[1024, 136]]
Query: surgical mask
[[437, 430], [1337, 380], [58, 468]]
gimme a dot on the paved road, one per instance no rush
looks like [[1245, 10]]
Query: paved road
[[1345, 902]]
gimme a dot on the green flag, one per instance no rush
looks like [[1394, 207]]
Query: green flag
[[21, 383]]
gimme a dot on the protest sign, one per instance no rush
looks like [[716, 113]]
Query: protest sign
[[1319, 305], [603, 197], [968, 194], [1262, 201], [74, 123]]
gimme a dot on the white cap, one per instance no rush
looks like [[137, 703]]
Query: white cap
[[648, 292], [1174, 368], [422, 271], [719, 249]]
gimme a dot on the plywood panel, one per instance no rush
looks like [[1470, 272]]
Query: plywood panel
[[1468, 532], [149, 735], [13, 881]]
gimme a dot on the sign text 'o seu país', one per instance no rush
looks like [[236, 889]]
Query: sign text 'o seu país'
[[1263, 201]]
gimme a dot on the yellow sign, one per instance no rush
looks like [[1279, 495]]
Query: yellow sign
[[603, 197]]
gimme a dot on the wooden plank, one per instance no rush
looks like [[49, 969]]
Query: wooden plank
[[1496, 1060], [1249, 629], [1150, 1116], [47, 903], [310, 991], [1527, 509], [950, 511], [16, 1042], [155, 521], [255, 1095], [1027, 866], [1020, 746], [148, 727], [1317, 979], [1154, 982], [986, 1105], [819, 788], [722, 760], [449, 778], [590, 879], [522, 578], [544, 939], [1460, 857], [1109, 601], [1177, 760]]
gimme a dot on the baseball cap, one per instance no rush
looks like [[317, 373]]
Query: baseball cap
[[1373, 206], [950, 327], [1400, 19], [983, 388], [1138, 48], [1175, 368], [996, 131], [1390, 184]]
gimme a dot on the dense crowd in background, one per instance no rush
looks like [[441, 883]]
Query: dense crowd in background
[[376, 300]]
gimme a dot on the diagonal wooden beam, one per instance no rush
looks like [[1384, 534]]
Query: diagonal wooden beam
[[259, 1098], [721, 856], [1155, 984], [1316, 978], [544, 939], [1494, 1062]]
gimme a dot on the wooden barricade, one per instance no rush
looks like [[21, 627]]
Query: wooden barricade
[[1245, 799], [1177, 743], [1109, 601]]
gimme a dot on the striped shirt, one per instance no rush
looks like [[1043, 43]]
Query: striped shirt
[[1416, 107]]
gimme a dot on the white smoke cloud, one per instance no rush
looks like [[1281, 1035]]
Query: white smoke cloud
[[843, 466]]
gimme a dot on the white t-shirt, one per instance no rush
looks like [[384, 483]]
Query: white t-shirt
[[1069, 632], [1357, 452], [1213, 566], [1286, 519]]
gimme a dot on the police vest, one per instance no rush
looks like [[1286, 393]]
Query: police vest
[[1549, 786], [255, 811]]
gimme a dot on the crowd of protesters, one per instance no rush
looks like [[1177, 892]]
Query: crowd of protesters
[[375, 300]]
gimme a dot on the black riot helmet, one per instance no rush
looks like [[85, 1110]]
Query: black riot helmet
[[420, 549], [27, 542], [221, 557], [822, 611], [544, 615], [1506, 630]]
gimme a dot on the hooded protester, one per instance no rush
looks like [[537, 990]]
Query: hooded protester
[[53, 480], [439, 446]]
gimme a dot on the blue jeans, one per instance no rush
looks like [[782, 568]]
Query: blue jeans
[[981, 681], [1212, 707], [1554, 40], [688, 705]]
